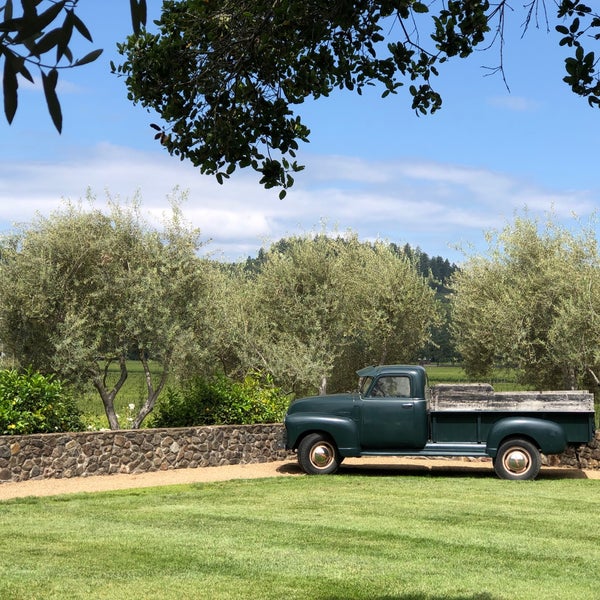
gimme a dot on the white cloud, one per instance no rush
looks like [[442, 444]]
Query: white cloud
[[432, 205]]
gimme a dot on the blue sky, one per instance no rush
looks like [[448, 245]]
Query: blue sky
[[373, 166]]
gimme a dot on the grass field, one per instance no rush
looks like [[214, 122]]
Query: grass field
[[338, 537], [502, 379], [133, 392]]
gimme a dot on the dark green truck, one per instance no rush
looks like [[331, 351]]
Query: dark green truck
[[395, 413]]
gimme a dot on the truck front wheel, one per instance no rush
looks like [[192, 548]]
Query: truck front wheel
[[517, 459], [318, 455]]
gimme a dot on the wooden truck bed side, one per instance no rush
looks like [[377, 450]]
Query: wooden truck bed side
[[482, 398]]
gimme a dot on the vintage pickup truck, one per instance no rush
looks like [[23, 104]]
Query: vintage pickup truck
[[395, 413]]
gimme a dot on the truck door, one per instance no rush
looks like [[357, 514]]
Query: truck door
[[391, 418]]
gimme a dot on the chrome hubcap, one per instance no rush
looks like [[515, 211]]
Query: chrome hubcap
[[322, 455], [516, 461]]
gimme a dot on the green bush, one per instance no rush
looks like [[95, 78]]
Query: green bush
[[33, 403], [221, 401]]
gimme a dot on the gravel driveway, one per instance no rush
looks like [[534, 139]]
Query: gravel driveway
[[382, 466]]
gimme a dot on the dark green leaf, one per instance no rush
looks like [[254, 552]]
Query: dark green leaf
[[138, 15], [25, 73], [81, 28], [11, 25], [88, 58], [30, 7], [47, 42], [63, 47], [45, 18], [10, 86], [574, 26], [49, 81]]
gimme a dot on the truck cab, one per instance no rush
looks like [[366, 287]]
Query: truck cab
[[393, 407]]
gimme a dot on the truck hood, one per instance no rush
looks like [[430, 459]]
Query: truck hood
[[333, 404]]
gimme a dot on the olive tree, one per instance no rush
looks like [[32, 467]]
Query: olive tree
[[531, 302], [81, 290], [326, 306], [397, 306], [229, 343]]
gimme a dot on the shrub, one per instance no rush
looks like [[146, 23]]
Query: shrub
[[34, 403], [221, 401]]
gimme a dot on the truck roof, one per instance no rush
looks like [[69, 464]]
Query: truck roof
[[375, 370]]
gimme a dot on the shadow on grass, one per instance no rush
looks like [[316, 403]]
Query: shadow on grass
[[435, 468]]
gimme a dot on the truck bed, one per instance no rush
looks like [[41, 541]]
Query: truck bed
[[467, 412], [479, 397]]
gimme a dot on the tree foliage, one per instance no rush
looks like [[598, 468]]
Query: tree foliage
[[533, 303], [226, 75], [324, 306], [33, 403], [81, 290], [38, 34], [219, 400]]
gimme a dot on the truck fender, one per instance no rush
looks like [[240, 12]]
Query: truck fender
[[343, 431], [548, 436]]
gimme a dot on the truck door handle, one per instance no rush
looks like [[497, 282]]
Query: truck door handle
[[407, 405]]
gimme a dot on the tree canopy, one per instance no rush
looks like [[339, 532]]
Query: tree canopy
[[81, 290], [226, 75], [321, 307], [532, 302]]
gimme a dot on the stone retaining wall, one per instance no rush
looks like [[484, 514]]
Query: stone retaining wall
[[584, 457], [59, 455]]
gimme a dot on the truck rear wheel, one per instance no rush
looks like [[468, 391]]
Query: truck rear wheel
[[517, 459], [318, 455]]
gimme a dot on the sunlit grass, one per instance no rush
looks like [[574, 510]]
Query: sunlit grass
[[339, 537], [503, 379]]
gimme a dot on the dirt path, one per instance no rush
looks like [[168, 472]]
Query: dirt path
[[377, 466]]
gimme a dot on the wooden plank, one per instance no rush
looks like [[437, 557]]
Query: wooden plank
[[482, 398]]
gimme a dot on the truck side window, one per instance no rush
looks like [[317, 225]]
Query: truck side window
[[390, 386]]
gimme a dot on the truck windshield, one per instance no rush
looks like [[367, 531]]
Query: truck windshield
[[364, 383]]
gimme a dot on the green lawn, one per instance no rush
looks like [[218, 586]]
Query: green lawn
[[342, 537]]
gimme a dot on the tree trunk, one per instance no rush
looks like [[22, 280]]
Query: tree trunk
[[323, 386], [153, 394], [108, 397]]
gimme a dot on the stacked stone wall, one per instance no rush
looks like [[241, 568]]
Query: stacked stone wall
[[59, 455], [583, 457], [62, 455]]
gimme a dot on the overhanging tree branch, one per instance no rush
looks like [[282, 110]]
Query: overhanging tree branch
[[226, 76], [41, 29]]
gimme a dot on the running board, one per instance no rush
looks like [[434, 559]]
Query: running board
[[433, 449]]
